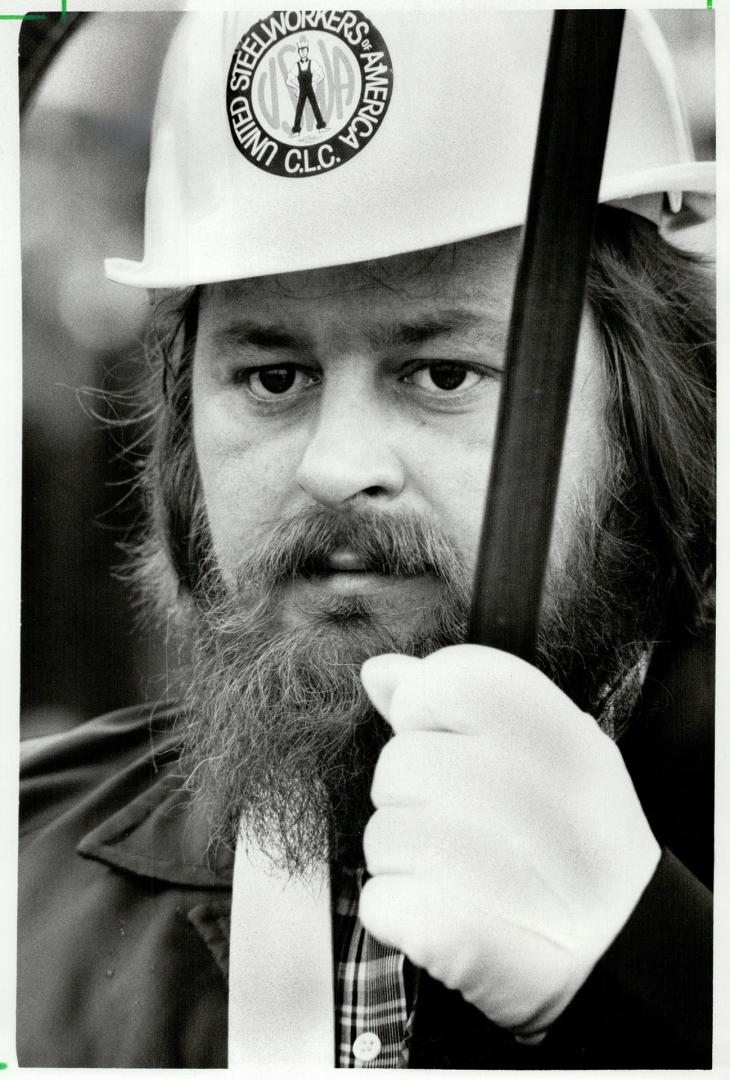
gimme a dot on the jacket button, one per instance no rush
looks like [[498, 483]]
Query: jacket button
[[366, 1046]]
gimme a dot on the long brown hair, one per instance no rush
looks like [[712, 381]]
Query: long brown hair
[[655, 307]]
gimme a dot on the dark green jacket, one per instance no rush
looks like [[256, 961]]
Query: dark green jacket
[[124, 920]]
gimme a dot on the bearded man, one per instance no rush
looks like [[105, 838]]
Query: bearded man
[[441, 858]]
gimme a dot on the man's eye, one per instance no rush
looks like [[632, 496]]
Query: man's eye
[[444, 375], [267, 383]]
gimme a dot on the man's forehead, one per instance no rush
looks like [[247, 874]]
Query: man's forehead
[[479, 268]]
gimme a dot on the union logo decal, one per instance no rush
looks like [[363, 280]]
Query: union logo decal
[[307, 90]]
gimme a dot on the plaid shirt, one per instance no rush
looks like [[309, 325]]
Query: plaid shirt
[[371, 989]]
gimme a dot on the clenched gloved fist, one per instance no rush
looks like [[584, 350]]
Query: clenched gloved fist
[[508, 846]]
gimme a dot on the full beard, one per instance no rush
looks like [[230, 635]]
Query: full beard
[[280, 733], [279, 736]]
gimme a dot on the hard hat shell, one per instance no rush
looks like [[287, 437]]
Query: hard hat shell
[[431, 117]]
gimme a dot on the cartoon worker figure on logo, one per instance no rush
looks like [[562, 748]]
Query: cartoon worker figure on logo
[[303, 77]]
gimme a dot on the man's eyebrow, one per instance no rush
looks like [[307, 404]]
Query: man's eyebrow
[[416, 331], [262, 335], [420, 330]]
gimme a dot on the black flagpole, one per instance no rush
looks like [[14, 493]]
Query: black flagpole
[[543, 335]]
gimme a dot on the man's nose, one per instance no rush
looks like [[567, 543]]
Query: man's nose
[[349, 455]]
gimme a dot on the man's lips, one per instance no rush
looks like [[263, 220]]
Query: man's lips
[[343, 560], [345, 572]]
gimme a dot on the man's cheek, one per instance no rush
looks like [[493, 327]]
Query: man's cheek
[[451, 476], [242, 502]]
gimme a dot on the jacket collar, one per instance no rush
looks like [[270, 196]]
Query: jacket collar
[[162, 833]]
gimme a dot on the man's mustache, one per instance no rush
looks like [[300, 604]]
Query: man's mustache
[[392, 542]]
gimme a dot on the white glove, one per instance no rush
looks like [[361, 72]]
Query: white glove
[[508, 846]]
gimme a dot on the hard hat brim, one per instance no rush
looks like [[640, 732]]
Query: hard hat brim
[[642, 192]]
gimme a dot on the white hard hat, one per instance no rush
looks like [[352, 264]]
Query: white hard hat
[[430, 121]]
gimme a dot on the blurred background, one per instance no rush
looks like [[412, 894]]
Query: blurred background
[[89, 84]]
